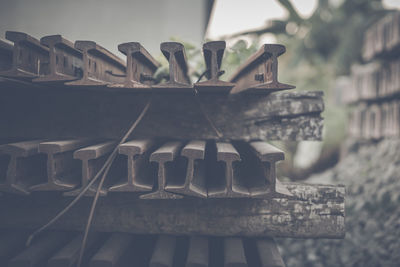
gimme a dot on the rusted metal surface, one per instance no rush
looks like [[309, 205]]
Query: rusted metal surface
[[111, 252], [375, 88], [171, 170], [382, 39], [267, 183], [229, 184], [259, 74], [62, 169], [61, 249], [139, 172], [38, 253], [375, 120], [213, 53], [30, 57], [198, 254], [234, 253], [179, 80], [269, 253], [21, 166], [11, 243], [165, 157], [6, 55], [195, 180], [164, 251], [140, 67], [68, 255], [66, 62], [374, 82], [100, 66], [92, 158]]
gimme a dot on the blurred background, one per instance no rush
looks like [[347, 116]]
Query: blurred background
[[326, 50]]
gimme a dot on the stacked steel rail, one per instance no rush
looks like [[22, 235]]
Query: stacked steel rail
[[197, 163], [61, 249], [375, 90]]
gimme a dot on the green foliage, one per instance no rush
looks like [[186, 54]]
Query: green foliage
[[234, 56]]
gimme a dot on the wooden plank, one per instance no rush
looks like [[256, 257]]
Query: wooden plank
[[84, 113], [314, 211]]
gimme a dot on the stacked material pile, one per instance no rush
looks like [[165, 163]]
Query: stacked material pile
[[375, 91], [195, 182]]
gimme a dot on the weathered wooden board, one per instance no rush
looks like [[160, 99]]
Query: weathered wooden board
[[314, 211], [30, 111]]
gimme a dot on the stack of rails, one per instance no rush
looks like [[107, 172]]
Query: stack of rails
[[65, 105], [375, 90], [61, 249]]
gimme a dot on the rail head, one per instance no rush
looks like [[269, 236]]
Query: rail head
[[178, 50], [95, 151], [30, 59], [21, 37], [6, 46], [21, 149], [218, 48], [65, 61], [6, 55], [100, 66], [179, 80], [53, 147], [59, 41], [267, 152], [137, 48], [194, 149], [136, 147], [213, 53], [140, 67], [93, 47], [167, 152], [259, 74], [227, 152]]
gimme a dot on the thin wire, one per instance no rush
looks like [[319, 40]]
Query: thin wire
[[103, 178], [106, 166], [91, 214]]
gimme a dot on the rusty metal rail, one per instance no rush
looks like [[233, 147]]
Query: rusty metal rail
[[91, 70], [213, 53], [30, 57], [66, 62], [374, 82], [87, 64], [61, 249], [25, 166], [375, 121], [259, 74], [383, 38], [140, 67], [172, 169], [62, 169], [178, 80], [101, 67], [6, 55]]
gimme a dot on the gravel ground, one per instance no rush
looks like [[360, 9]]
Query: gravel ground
[[371, 173]]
